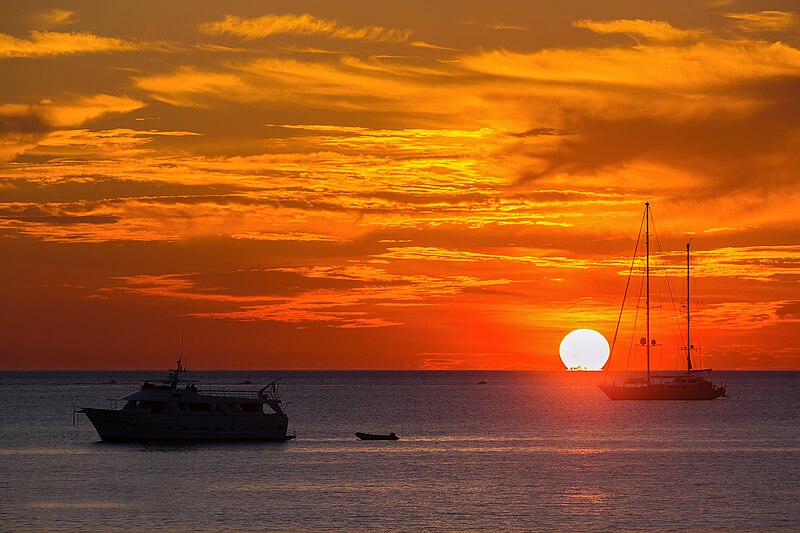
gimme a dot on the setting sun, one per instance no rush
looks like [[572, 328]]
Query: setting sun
[[584, 349]]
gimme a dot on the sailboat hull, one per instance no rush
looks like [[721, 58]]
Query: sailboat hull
[[659, 391]]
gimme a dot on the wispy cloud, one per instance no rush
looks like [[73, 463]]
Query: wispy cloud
[[431, 46], [189, 86], [654, 30], [290, 24], [365, 300], [765, 21], [22, 127], [506, 26], [51, 18], [48, 43]]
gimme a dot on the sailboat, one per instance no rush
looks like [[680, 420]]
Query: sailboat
[[688, 384]]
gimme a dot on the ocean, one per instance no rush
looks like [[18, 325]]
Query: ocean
[[525, 451]]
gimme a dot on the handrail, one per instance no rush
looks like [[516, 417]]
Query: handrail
[[249, 394]]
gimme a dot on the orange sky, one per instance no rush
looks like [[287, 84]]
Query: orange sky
[[316, 184]]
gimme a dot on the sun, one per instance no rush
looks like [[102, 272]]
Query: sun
[[584, 349]]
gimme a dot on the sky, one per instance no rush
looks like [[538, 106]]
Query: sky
[[392, 185]]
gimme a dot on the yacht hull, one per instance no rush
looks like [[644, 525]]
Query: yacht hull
[[662, 392], [122, 426]]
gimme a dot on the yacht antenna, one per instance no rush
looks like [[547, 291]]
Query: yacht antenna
[[185, 366], [647, 281]]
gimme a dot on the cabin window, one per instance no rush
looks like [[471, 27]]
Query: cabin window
[[217, 408], [195, 406], [219, 428], [130, 404]]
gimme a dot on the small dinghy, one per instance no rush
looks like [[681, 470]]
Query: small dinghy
[[370, 436]]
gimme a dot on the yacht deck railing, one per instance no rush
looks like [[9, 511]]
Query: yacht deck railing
[[248, 394]]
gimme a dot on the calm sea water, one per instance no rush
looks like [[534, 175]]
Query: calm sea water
[[526, 451]]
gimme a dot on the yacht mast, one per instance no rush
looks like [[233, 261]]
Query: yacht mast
[[688, 314], [647, 278]]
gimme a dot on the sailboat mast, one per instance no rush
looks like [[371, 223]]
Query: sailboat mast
[[688, 314], [647, 280]]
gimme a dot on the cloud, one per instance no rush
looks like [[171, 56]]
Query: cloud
[[680, 106], [654, 30], [51, 18], [268, 25], [351, 84], [48, 44], [352, 296], [22, 126], [189, 86], [430, 46], [695, 67], [765, 21], [118, 142], [503, 26], [80, 110], [739, 316]]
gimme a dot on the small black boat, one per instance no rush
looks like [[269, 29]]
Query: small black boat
[[370, 436]]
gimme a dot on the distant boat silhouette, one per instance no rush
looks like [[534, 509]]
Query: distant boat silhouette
[[690, 384], [247, 382], [370, 436], [481, 382]]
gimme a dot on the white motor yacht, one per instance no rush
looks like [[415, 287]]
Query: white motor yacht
[[181, 409]]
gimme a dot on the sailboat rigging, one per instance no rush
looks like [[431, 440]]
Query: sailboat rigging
[[691, 384]]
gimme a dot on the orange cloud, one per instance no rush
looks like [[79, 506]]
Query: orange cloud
[[268, 25], [765, 21], [118, 142], [188, 86], [51, 18], [22, 127], [78, 111], [654, 30], [358, 306], [48, 44], [695, 67]]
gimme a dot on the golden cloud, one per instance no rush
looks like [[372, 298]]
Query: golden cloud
[[22, 126], [189, 86], [765, 21], [118, 142], [654, 30], [51, 18], [268, 25], [78, 111], [696, 67], [370, 292], [47, 44]]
